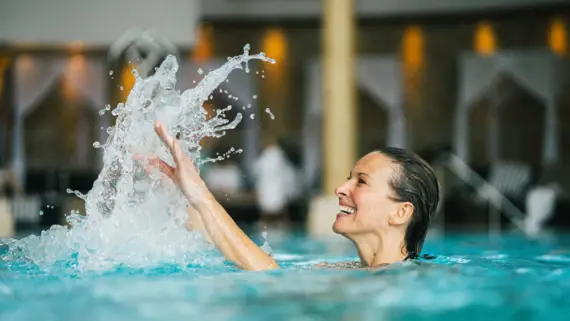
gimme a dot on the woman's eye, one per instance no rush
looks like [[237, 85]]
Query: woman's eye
[[361, 181]]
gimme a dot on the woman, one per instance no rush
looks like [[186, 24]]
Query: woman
[[386, 205]]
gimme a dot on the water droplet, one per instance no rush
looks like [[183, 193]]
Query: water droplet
[[254, 96], [267, 110], [252, 116], [248, 105], [211, 97], [110, 72], [200, 71], [41, 212], [97, 145], [121, 88]]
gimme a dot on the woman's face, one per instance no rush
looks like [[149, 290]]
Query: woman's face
[[367, 202]]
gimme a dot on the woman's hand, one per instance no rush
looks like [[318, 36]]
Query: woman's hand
[[185, 174]]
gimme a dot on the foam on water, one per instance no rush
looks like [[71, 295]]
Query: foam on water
[[132, 218]]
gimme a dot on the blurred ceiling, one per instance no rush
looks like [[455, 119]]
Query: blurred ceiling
[[263, 9]]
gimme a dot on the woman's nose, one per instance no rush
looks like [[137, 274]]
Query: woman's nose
[[342, 189]]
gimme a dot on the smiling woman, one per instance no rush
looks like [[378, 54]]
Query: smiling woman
[[386, 206]]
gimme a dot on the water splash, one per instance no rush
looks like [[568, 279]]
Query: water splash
[[133, 218]]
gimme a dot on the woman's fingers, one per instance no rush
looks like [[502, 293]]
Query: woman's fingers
[[163, 134], [152, 162], [177, 153], [166, 169]]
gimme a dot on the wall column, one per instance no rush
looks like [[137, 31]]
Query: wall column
[[339, 137], [338, 93]]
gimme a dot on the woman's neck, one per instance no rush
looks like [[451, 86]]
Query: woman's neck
[[380, 249]]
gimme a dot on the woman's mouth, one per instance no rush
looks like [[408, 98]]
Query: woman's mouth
[[346, 209]]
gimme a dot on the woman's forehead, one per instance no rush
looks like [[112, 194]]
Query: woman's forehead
[[375, 164]]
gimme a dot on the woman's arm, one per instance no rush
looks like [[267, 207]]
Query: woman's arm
[[234, 244], [231, 240], [195, 223]]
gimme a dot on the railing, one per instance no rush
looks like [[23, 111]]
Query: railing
[[497, 201]]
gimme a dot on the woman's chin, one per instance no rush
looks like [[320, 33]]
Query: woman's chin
[[339, 227]]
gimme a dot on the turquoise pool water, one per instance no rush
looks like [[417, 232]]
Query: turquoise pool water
[[471, 278]]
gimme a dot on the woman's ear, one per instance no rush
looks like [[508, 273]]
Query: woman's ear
[[403, 214]]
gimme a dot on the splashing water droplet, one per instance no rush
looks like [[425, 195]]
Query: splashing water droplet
[[267, 110], [200, 71], [97, 145], [254, 96], [133, 218], [110, 72], [252, 116], [41, 213], [265, 247], [121, 88]]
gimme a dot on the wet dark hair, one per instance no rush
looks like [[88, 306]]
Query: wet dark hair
[[414, 182]]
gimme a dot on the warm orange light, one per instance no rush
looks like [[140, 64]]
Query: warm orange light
[[275, 44], [75, 72], [485, 43], [557, 38], [413, 47], [204, 47], [4, 62], [413, 61], [26, 63], [127, 81]]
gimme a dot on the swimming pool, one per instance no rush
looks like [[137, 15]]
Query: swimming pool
[[472, 278]]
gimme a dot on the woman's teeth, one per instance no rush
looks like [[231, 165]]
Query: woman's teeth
[[347, 210]]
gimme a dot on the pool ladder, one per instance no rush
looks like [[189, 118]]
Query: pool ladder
[[498, 201]]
